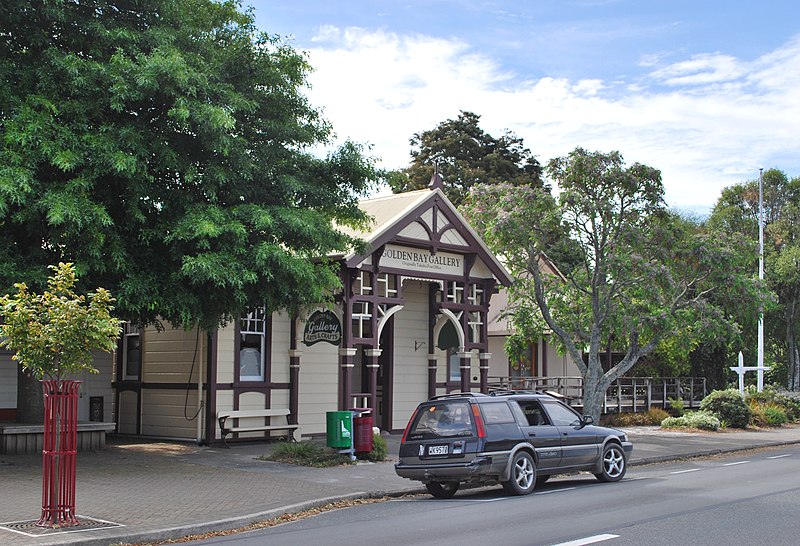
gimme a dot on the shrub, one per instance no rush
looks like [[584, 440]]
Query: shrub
[[676, 405], [651, 417], [696, 419], [379, 450], [729, 406], [306, 453], [775, 416]]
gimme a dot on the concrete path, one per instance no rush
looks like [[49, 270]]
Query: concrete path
[[160, 490]]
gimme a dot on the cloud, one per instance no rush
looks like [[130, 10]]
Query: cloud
[[706, 122]]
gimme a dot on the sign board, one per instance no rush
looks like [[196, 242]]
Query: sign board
[[322, 326], [422, 260]]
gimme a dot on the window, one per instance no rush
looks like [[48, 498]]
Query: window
[[442, 420], [497, 413], [131, 353], [453, 365], [252, 346], [533, 412], [562, 416]]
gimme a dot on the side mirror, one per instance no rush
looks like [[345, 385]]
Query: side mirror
[[587, 420]]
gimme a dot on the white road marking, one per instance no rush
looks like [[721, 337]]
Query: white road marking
[[734, 464], [685, 471], [587, 540], [780, 456], [555, 491]]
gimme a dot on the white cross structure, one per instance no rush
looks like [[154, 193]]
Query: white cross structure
[[741, 369]]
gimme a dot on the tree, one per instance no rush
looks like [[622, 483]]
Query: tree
[[53, 335], [466, 156], [166, 149], [737, 211], [633, 274]]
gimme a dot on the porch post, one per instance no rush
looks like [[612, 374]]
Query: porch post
[[346, 356], [431, 375], [294, 374], [373, 355], [484, 358], [466, 369]]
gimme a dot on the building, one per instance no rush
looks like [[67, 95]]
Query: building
[[410, 322]]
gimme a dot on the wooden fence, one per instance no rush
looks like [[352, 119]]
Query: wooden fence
[[627, 394]]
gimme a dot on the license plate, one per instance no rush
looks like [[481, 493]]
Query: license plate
[[437, 450]]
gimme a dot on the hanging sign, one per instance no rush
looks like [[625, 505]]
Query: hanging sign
[[322, 326]]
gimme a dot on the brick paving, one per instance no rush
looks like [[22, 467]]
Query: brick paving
[[167, 490]]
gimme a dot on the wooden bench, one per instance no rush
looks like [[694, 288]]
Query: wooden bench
[[236, 416]]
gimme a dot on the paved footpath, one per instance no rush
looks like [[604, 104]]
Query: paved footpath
[[160, 490]]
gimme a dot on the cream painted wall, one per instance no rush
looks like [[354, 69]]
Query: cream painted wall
[[8, 381], [410, 365], [169, 413], [319, 385]]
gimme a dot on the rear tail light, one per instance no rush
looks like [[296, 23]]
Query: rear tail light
[[408, 426], [476, 411]]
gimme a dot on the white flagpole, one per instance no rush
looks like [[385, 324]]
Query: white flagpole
[[760, 385]]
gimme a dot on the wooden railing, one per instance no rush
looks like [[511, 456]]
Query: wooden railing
[[624, 395]]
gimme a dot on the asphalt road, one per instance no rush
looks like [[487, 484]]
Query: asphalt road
[[746, 498]]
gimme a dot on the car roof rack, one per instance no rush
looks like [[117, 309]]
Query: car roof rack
[[504, 392], [456, 395]]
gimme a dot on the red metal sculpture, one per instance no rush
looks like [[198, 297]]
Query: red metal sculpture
[[59, 453]]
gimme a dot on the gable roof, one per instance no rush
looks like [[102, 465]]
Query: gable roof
[[391, 214]]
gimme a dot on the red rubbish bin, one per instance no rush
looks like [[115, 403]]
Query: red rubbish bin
[[362, 432]]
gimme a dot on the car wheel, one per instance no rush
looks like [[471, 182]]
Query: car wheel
[[613, 465], [523, 475], [541, 479], [442, 490]]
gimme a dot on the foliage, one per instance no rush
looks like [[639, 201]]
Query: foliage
[[702, 420], [788, 402], [729, 405], [651, 417], [767, 414], [53, 333], [165, 147], [379, 450], [306, 453], [606, 265], [677, 406], [466, 156], [737, 210]]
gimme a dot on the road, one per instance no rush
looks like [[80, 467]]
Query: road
[[749, 498]]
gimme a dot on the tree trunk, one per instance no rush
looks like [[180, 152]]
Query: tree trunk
[[30, 402]]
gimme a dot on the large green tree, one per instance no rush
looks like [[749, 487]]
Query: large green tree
[[633, 273], [166, 148], [737, 210], [466, 155]]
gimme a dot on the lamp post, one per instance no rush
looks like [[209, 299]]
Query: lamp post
[[760, 385]]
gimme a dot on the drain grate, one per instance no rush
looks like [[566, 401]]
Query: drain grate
[[30, 529]]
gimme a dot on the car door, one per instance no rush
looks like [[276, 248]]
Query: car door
[[540, 432], [579, 444]]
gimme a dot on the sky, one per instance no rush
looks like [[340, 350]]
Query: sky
[[706, 91]]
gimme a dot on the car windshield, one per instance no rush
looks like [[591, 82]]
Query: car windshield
[[442, 420]]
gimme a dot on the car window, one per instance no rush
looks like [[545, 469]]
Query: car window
[[532, 410], [442, 420], [562, 415], [497, 413]]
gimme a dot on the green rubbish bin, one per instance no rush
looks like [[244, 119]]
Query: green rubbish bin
[[339, 428]]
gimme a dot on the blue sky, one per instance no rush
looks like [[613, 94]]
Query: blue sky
[[706, 91]]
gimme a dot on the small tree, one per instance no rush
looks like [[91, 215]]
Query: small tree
[[53, 335]]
